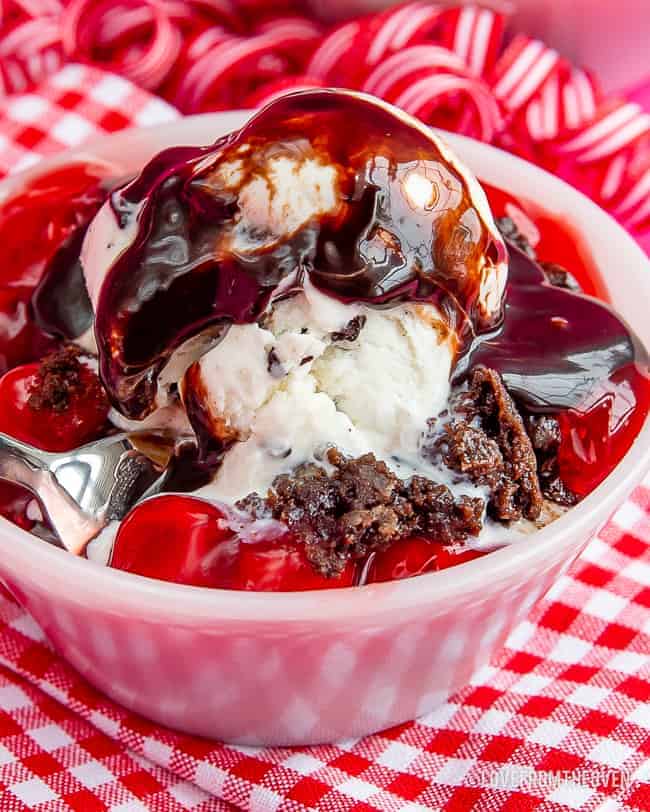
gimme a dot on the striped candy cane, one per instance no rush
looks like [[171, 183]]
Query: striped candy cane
[[401, 67], [351, 50], [332, 50], [274, 90], [29, 52], [235, 61], [397, 28], [521, 72], [610, 132], [474, 34], [86, 23], [432, 97]]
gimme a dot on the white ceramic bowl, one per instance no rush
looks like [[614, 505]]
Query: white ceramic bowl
[[311, 667]]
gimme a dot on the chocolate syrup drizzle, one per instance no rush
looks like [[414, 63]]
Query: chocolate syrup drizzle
[[60, 301], [196, 260], [552, 346]]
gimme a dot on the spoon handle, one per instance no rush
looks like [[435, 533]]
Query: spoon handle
[[22, 463], [25, 465]]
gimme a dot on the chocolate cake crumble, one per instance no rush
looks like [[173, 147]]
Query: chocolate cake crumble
[[57, 380], [555, 274], [559, 277], [510, 231], [544, 433], [356, 506], [486, 440], [361, 506], [351, 331]]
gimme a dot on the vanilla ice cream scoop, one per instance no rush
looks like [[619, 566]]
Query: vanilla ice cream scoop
[[318, 373], [330, 190]]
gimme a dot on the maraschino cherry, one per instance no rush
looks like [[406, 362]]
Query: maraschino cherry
[[179, 539], [21, 341], [186, 540], [280, 565], [414, 556], [56, 405], [595, 439]]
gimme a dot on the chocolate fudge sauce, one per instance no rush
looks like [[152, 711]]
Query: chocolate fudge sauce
[[404, 227], [552, 346]]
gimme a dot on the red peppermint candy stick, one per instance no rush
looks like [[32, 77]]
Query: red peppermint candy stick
[[226, 73], [30, 37], [331, 51], [459, 103], [296, 27], [146, 65], [291, 33], [580, 97], [475, 35], [204, 41], [609, 159], [611, 131], [399, 27], [401, 66], [29, 52], [350, 51], [521, 71], [565, 99], [273, 90], [196, 45], [544, 112], [38, 8], [633, 208]]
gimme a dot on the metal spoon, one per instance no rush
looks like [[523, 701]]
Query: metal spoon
[[83, 490]]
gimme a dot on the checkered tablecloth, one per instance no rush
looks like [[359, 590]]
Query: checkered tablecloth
[[560, 718]]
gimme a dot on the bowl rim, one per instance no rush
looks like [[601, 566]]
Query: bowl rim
[[87, 582]]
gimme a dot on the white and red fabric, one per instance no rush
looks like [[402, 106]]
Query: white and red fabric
[[444, 64], [73, 105], [569, 691]]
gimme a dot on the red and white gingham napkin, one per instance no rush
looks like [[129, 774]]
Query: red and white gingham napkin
[[559, 720]]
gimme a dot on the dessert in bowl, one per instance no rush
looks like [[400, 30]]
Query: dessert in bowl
[[368, 380]]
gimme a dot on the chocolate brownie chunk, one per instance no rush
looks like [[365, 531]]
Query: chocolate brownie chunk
[[559, 276], [57, 380], [351, 330], [555, 274], [470, 451], [362, 506], [544, 433], [510, 232], [440, 515], [487, 441]]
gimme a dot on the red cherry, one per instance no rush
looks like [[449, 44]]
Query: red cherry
[[188, 541], [79, 423], [558, 240], [34, 223], [404, 559], [450, 557], [179, 539], [596, 438], [280, 565], [13, 504], [414, 556], [21, 340]]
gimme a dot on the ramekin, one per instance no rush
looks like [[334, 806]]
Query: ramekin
[[304, 668]]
